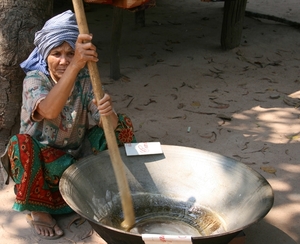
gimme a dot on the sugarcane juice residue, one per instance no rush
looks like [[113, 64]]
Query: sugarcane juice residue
[[156, 214]]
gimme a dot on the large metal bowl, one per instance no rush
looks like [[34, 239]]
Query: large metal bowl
[[190, 177]]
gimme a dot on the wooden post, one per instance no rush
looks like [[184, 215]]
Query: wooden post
[[115, 43], [139, 18], [232, 27]]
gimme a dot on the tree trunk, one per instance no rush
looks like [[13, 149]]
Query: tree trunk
[[19, 20]]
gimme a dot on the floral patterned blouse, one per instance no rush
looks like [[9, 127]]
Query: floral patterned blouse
[[67, 131]]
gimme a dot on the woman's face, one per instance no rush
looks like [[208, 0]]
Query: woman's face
[[58, 60]]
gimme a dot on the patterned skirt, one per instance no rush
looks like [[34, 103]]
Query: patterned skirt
[[36, 168]]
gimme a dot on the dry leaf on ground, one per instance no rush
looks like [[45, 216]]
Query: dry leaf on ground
[[269, 169]]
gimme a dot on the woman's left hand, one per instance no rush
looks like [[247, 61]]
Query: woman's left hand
[[104, 105], [105, 108]]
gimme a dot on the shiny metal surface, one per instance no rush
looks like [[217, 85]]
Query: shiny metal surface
[[240, 195]]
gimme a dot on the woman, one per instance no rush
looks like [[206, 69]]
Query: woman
[[55, 129]]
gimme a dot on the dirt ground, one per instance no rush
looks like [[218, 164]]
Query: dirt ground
[[180, 88]]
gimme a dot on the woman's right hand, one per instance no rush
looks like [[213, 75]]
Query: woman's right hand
[[84, 51]]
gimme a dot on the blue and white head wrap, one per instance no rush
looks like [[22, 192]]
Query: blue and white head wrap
[[61, 28]]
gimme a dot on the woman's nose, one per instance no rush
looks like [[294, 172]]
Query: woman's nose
[[64, 60]]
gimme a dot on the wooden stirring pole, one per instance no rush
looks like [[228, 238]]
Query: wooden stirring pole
[[114, 153]]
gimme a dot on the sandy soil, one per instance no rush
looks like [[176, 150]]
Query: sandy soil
[[180, 88]]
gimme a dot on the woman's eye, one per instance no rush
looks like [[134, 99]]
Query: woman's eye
[[55, 54], [71, 54]]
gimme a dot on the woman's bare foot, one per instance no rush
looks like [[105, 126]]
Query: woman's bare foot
[[45, 225]]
